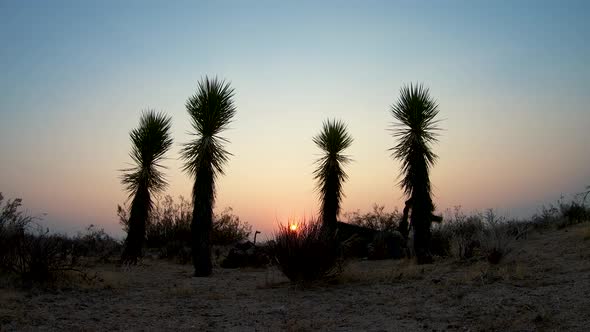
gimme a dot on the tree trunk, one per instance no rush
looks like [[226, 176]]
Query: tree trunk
[[137, 224], [203, 195], [330, 201], [421, 220]]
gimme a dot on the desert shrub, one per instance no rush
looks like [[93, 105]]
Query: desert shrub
[[169, 227], [246, 254], [169, 222], [179, 250], [27, 250], [572, 213], [386, 245], [518, 229], [548, 216], [308, 253], [96, 243], [42, 257], [563, 214], [441, 239], [496, 237], [378, 219], [228, 228], [466, 233]]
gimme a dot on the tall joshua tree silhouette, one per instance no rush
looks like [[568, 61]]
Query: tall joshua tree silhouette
[[150, 141], [416, 128], [330, 175], [211, 110]]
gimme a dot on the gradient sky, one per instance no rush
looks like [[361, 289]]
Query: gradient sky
[[512, 79]]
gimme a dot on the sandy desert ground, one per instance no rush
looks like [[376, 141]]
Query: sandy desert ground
[[543, 285]]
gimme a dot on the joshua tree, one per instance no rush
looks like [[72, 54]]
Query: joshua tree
[[416, 128], [330, 175], [211, 110], [150, 141]]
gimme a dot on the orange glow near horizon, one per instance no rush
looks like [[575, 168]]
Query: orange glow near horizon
[[293, 227]]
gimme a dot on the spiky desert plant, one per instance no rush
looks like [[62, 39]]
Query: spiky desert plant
[[330, 175], [150, 142], [416, 129], [211, 110], [307, 252]]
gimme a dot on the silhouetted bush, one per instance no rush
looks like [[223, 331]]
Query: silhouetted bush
[[95, 243], [441, 238], [466, 233], [548, 216], [378, 219], [308, 253], [563, 214], [228, 228], [387, 245], [28, 251], [246, 254], [573, 213], [496, 238]]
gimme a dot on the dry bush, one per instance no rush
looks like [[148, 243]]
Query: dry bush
[[228, 228], [309, 253], [573, 213], [465, 232], [479, 235], [37, 256], [378, 219], [496, 240], [95, 243], [563, 214], [441, 240], [28, 251]]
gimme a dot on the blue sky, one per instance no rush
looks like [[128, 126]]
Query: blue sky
[[511, 79]]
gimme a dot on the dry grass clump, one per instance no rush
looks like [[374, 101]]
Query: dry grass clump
[[481, 273], [308, 253]]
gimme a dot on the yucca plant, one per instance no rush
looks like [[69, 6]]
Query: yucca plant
[[211, 110], [307, 252], [416, 129], [150, 142], [330, 175]]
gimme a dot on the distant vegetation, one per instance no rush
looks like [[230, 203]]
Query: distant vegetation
[[32, 254], [378, 219]]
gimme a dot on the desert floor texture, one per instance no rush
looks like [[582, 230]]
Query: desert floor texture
[[543, 285]]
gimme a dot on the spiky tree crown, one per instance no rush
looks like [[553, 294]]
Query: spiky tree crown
[[150, 141], [416, 129], [211, 110], [330, 174]]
